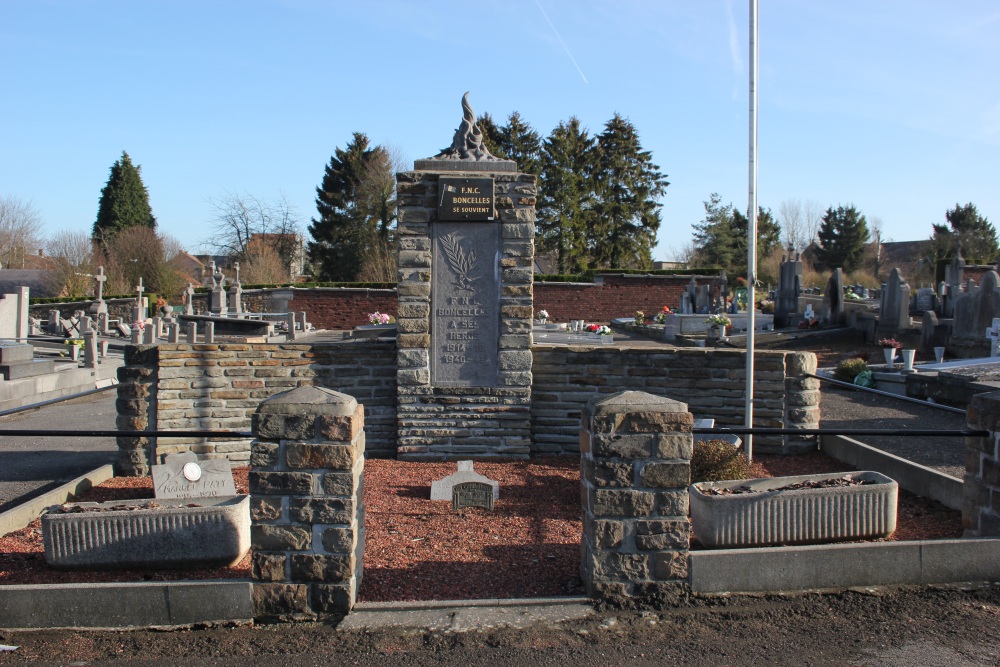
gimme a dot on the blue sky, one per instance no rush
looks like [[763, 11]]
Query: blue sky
[[892, 106]]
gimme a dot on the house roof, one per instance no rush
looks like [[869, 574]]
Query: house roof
[[35, 279]]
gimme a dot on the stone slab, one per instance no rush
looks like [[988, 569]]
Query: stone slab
[[466, 615], [20, 516], [125, 605], [27, 369], [184, 476], [231, 326], [11, 353], [441, 489]]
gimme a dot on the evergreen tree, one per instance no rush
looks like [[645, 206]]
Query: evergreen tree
[[566, 195], [124, 202], [968, 229], [627, 213], [714, 235], [768, 238], [353, 210], [491, 135], [843, 233], [519, 142]]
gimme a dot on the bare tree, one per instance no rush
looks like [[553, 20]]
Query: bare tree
[[239, 218], [812, 216], [792, 224], [877, 239], [262, 265], [139, 252], [20, 231], [74, 263]]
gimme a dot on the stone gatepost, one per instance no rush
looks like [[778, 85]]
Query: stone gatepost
[[307, 503], [981, 508], [466, 250], [635, 469]]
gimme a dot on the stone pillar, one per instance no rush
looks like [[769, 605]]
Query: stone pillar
[[174, 332], [90, 348], [290, 323], [23, 325], [136, 406], [209, 332], [635, 459], [192, 332], [981, 509], [307, 504]]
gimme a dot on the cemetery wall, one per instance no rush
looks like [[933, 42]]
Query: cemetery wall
[[611, 297], [118, 309], [710, 381], [181, 386], [220, 386]]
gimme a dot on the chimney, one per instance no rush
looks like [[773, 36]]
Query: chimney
[[41, 252]]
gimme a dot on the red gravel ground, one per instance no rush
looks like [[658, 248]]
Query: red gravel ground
[[416, 549]]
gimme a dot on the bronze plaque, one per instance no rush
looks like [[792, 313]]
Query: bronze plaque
[[472, 494], [466, 199]]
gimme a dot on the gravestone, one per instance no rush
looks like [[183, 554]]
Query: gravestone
[[138, 310], [217, 297], [189, 300], [17, 361], [954, 277], [786, 300], [184, 476], [15, 321], [702, 299], [99, 307], [443, 489], [895, 309], [833, 299], [465, 257], [472, 494], [923, 300], [975, 311], [236, 291]]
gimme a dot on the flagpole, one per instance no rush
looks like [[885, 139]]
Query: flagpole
[[751, 231]]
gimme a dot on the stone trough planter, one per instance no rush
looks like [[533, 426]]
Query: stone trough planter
[[179, 533], [794, 516]]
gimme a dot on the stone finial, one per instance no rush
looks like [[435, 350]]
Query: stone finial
[[467, 149]]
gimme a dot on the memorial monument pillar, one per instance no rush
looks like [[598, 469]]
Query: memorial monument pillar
[[465, 259]]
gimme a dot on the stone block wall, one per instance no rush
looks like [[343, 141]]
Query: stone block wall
[[981, 508], [635, 467], [219, 386], [307, 503], [711, 381], [464, 421]]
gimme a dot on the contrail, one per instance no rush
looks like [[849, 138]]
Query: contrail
[[559, 37]]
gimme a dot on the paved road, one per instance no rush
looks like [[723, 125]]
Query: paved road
[[31, 465]]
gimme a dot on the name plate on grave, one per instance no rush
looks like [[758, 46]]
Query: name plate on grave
[[472, 494], [181, 477], [465, 295], [466, 199]]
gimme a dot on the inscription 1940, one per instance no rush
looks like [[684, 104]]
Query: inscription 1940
[[466, 199]]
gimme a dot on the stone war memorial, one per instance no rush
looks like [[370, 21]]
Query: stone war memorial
[[466, 248]]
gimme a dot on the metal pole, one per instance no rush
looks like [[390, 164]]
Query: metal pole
[[751, 230]]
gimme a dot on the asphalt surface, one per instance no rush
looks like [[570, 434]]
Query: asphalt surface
[[31, 465]]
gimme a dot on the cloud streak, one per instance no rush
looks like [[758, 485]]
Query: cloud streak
[[734, 40], [559, 37]]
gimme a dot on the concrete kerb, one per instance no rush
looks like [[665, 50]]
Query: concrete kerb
[[18, 517], [913, 477]]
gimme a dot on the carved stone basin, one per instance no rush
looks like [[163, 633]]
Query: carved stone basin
[[774, 516], [178, 533]]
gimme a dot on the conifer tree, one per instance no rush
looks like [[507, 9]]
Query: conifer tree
[[713, 236], [566, 195], [768, 238], [842, 236], [491, 135], [519, 142], [627, 213], [342, 232], [124, 202], [969, 230]]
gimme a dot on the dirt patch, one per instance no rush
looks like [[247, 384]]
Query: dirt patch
[[418, 549]]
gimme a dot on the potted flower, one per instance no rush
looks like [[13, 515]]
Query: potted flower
[[639, 318], [661, 317], [542, 316], [889, 347], [601, 331], [720, 322], [377, 318], [379, 324]]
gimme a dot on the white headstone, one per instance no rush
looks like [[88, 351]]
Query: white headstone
[[184, 476], [441, 489]]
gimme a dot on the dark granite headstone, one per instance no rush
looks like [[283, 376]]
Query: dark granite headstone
[[465, 293]]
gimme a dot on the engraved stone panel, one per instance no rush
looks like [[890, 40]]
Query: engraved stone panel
[[466, 199], [472, 494], [465, 294]]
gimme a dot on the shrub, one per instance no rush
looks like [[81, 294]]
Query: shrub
[[718, 460], [848, 369]]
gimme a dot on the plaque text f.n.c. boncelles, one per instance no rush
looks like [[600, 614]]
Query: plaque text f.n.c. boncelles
[[466, 199]]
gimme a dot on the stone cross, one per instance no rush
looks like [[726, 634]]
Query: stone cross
[[140, 289], [100, 278], [189, 301], [236, 267]]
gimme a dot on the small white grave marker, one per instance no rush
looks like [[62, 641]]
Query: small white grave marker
[[442, 489]]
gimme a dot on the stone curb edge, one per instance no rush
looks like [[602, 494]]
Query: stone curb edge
[[23, 514]]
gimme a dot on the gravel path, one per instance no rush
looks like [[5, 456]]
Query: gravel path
[[846, 408]]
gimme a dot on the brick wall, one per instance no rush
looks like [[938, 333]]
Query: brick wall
[[220, 386], [612, 296], [342, 308], [710, 381]]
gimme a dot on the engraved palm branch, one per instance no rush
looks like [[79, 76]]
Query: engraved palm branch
[[461, 262]]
